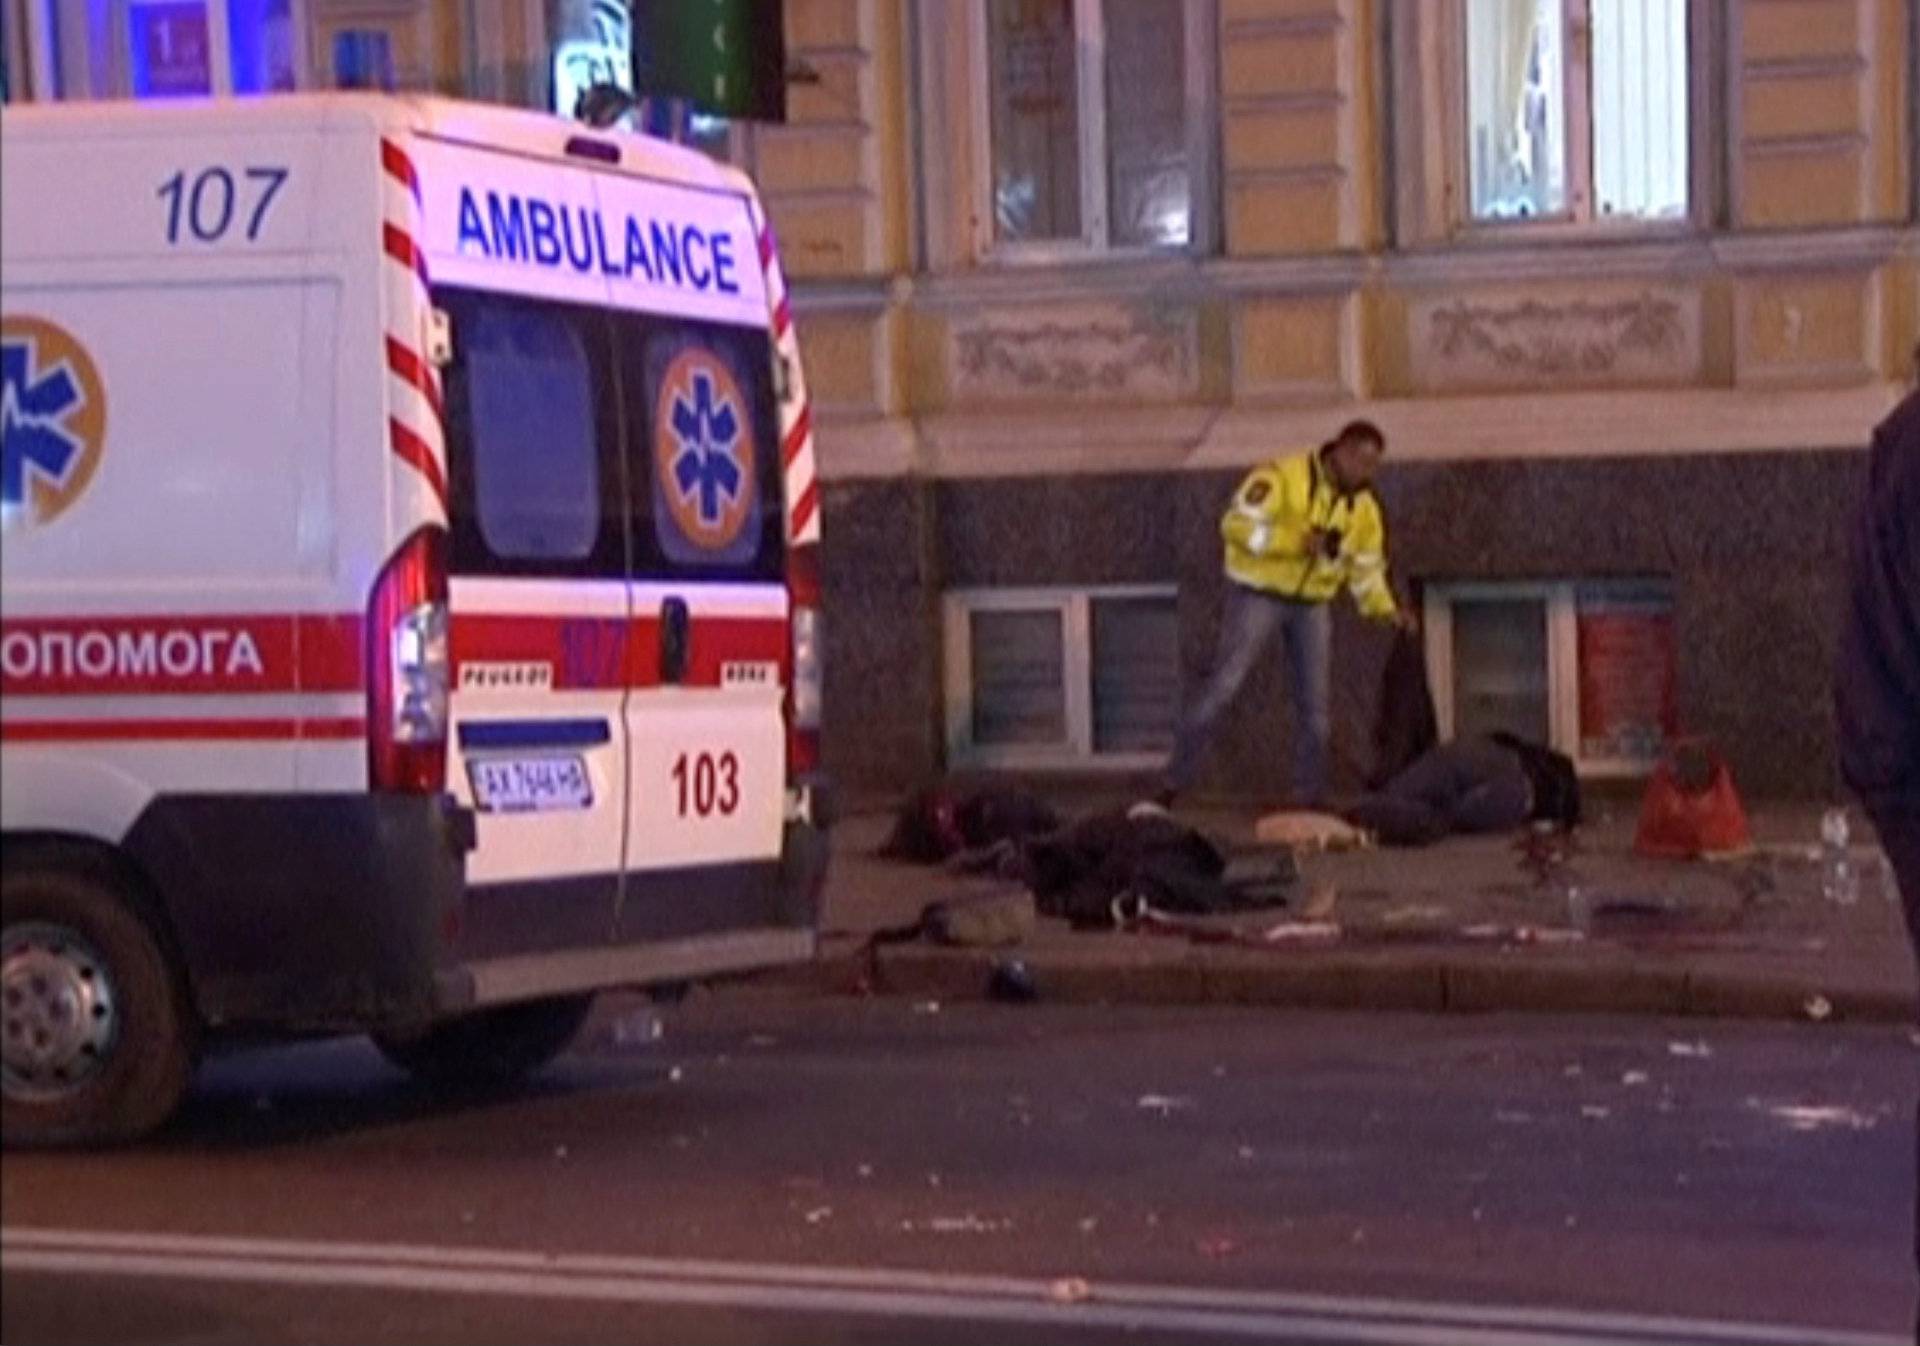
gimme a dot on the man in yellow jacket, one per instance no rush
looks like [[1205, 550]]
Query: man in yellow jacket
[[1300, 529]]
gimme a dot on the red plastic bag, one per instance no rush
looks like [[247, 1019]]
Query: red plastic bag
[[1692, 810]]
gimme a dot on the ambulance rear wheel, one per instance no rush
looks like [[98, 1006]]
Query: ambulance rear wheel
[[490, 1048], [96, 1036]]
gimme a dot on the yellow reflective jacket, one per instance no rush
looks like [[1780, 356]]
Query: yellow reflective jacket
[[1266, 530]]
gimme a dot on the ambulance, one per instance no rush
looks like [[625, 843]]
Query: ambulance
[[409, 589]]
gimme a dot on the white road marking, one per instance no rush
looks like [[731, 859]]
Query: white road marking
[[860, 1292]]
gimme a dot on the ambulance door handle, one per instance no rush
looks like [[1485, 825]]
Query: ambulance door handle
[[673, 641]]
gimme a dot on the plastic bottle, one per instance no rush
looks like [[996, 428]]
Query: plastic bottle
[[1839, 875]]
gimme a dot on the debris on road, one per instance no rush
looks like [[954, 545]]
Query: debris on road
[[1819, 1008], [1694, 1050], [819, 1214], [1634, 1079], [956, 1224], [1070, 1290], [1164, 1104], [1012, 983], [926, 1007]]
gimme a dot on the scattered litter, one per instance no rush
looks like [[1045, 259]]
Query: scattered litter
[[1308, 830], [1598, 1114], [1805, 1118], [956, 1224], [865, 1170], [1513, 1118], [1246, 1152], [1219, 1072], [1069, 1290], [676, 1074], [1153, 1219], [1089, 1224], [819, 1214], [927, 1007], [1574, 1072], [1218, 1246], [1286, 931], [1819, 1008], [1359, 1236], [1572, 1220], [1913, 1036], [1633, 1079], [933, 1179], [559, 1152], [1693, 1050], [639, 1026], [1479, 1214], [1547, 934], [1011, 983], [1163, 1104]]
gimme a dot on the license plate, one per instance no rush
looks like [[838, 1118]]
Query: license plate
[[530, 784]]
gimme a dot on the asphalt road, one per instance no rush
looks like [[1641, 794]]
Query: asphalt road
[[780, 1169]]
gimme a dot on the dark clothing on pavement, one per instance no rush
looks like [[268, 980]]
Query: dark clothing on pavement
[[1491, 784]]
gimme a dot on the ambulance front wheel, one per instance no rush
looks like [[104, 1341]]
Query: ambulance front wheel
[[97, 1038], [489, 1048]]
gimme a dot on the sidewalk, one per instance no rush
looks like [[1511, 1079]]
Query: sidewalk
[[1460, 926]]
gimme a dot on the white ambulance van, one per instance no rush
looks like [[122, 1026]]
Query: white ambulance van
[[410, 615]]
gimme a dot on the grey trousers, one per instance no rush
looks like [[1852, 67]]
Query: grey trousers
[[1251, 621]]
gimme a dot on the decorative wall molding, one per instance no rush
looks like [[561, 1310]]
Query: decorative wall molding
[[1557, 340], [1110, 351]]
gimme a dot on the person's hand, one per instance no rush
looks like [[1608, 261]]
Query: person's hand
[[1406, 620]]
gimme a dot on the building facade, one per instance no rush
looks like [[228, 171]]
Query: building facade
[[1626, 282]]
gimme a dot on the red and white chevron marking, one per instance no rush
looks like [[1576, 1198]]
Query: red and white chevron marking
[[796, 412], [416, 425]]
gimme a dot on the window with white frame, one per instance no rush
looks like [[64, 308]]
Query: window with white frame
[[1088, 138], [1577, 109], [1061, 677], [1586, 667]]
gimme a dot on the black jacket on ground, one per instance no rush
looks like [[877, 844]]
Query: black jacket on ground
[[1877, 678]]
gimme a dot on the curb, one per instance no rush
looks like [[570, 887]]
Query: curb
[[1441, 982]]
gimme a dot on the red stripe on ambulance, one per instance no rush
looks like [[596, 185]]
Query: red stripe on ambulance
[[104, 656]]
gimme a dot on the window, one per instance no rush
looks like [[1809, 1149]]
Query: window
[[1062, 678], [536, 489], [1086, 122], [1577, 109], [265, 39], [1586, 667]]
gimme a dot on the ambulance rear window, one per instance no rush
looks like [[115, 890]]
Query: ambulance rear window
[[536, 487]]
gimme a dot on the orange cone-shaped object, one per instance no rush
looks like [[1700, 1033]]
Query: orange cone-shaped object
[[1692, 810]]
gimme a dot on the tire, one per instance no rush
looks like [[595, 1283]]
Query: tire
[[96, 1033], [489, 1049]]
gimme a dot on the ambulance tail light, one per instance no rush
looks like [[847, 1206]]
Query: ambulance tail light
[[409, 669], [806, 692]]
